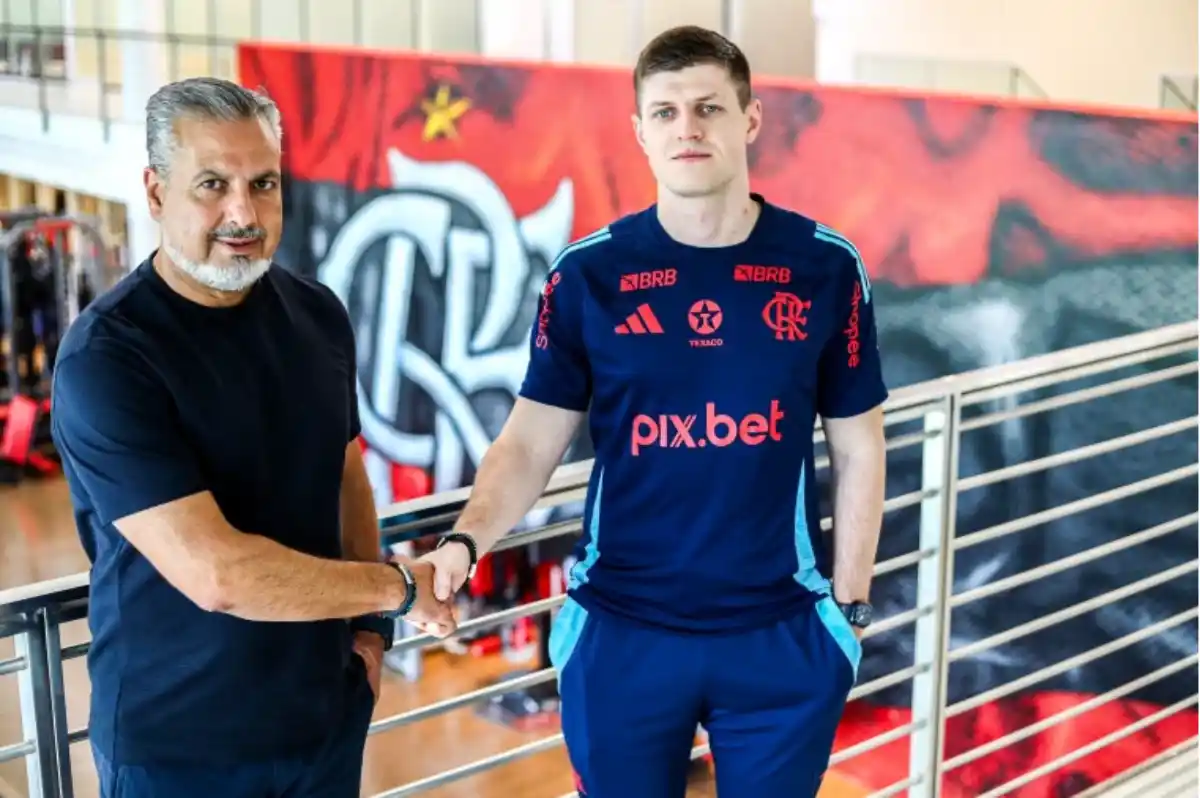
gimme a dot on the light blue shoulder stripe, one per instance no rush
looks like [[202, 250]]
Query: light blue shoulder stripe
[[598, 237], [831, 236]]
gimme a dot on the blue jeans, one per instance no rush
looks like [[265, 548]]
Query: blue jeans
[[334, 771]]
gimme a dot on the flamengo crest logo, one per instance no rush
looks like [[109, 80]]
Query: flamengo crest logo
[[445, 224]]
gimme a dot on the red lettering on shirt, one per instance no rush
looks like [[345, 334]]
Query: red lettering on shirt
[[852, 333], [542, 339]]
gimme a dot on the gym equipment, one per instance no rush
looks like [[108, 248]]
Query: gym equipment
[[51, 267]]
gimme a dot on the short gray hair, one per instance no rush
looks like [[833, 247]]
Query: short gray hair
[[201, 98]]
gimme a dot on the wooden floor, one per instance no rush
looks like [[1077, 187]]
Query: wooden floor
[[38, 542]]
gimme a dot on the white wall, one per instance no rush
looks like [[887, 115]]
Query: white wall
[[778, 36], [1095, 51]]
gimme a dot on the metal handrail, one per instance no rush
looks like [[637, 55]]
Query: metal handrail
[[33, 613], [432, 511]]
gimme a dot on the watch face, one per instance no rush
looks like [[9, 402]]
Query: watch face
[[859, 614]]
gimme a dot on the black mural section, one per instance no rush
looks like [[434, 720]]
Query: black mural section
[[927, 333], [993, 232]]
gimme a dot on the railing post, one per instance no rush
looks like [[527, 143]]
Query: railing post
[[935, 582], [37, 721], [56, 692]]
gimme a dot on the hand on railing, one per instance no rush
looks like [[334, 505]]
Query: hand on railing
[[428, 613]]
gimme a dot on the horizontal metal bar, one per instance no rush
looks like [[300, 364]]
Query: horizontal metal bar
[[1081, 395], [1008, 688], [878, 741], [884, 682], [1182, 751], [433, 514], [484, 622], [404, 519], [890, 445], [1077, 506], [17, 750], [910, 439], [1087, 369], [898, 787], [1076, 455], [897, 620], [1075, 560], [13, 665], [76, 651], [1052, 363], [1073, 611], [77, 735], [556, 530], [909, 499], [466, 699], [1095, 745], [896, 414], [479, 766], [980, 751], [24, 599], [903, 561], [121, 34]]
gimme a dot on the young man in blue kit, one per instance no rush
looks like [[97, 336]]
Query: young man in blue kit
[[701, 337]]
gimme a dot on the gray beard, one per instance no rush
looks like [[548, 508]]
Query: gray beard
[[234, 278]]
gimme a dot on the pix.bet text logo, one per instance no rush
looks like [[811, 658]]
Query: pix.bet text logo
[[439, 279], [670, 431]]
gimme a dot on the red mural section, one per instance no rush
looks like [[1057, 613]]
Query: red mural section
[[922, 185], [991, 231]]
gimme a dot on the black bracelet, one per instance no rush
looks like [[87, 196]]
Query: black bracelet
[[466, 540], [410, 590]]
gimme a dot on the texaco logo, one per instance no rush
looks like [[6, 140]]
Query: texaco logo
[[442, 305]]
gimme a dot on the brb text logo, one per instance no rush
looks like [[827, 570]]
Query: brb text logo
[[670, 431]]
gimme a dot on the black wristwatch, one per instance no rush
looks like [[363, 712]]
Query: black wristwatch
[[858, 613], [379, 624], [410, 591], [466, 540]]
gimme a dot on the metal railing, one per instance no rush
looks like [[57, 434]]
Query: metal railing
[[1179, 92], [75, 64], [80, 68], [933, 418], [960, 76]]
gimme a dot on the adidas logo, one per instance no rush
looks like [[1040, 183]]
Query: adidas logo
[[640, 322]]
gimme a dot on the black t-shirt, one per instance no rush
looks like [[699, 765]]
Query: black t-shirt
[[156, 398]]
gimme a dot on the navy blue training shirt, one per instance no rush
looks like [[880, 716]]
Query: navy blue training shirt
[[156, 398], [704, 370]]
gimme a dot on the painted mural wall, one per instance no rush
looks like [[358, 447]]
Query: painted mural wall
[[432, 193]]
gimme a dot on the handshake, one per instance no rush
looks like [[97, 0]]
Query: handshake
[[437, 575]]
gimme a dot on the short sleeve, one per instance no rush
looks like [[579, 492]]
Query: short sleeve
[[115, 426], [851, 376], [558, 372], [350, 347]]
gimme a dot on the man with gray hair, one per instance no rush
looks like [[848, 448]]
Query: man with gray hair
[[206, 412]]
